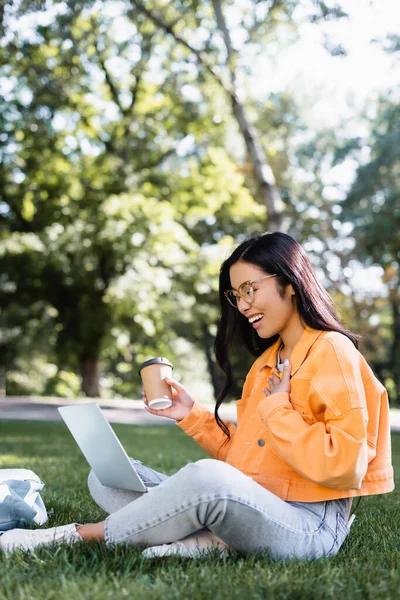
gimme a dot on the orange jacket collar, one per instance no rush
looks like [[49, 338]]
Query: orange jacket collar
[[301, 349]]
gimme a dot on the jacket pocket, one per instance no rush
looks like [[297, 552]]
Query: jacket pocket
[[260, 456]]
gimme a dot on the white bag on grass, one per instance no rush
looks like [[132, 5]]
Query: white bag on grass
[[20, 500]]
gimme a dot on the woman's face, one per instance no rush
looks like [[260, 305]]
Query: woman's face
[[277, 313]]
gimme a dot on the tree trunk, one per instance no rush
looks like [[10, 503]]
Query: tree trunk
[[90, 377], [263, 174], [268, 192], [2, 381]]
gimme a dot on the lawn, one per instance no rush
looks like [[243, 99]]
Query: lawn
[[368, 566]]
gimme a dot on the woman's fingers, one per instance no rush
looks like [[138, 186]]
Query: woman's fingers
[[279, 385], [275, 379], [179, 392], [286, 372], [153, 411], [267, 391], [273, 382], [173, 383]]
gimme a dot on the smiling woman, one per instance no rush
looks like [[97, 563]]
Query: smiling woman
[[274, 278], [245, 291], [265, 303], [312, 432]]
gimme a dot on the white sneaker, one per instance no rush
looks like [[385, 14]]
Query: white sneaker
[[30, 539], [191, 546]]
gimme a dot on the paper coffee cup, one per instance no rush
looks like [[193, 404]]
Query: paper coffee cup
[[158, 392]]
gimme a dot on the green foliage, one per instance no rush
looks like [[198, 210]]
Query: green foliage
[[124, 185], [374, 201], [64, 384], [105, 227], [29, 375], [373, 205]]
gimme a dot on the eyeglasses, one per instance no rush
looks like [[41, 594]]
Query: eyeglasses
[[245, 292]]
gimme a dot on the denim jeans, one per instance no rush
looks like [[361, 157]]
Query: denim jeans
[[213, 495]]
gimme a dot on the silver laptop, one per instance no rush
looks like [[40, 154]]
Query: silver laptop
[[101, 447]]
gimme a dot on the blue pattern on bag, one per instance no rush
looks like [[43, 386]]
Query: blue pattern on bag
[[20, 500]]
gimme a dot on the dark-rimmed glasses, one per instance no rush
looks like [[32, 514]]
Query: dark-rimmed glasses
[[245, 292]]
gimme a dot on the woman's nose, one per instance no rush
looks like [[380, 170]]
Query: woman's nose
[[242, 305]]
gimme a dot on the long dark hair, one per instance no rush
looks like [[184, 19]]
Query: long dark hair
[[274, 253]]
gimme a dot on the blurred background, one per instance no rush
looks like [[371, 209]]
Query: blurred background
[[140, 141]]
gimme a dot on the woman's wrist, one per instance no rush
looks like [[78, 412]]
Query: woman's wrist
[[185, 415]]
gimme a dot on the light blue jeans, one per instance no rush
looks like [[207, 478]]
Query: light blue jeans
[[210, 494]]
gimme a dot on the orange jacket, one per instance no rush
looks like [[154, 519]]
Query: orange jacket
[[329, 438]]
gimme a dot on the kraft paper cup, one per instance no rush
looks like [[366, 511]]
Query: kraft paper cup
[[158, 392]]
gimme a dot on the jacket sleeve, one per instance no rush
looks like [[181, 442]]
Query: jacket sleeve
[[201, 425], [332, 451]]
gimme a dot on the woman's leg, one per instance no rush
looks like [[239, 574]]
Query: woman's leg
[[112, 499], [214, 495]]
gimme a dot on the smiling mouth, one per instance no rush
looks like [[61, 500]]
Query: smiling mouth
[[255, 319]]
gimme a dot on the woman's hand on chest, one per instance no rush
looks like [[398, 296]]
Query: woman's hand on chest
[[276, 385]]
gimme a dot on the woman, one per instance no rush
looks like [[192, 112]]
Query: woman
[[313, 428]]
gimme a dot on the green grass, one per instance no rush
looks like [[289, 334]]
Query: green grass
[[368, 565]]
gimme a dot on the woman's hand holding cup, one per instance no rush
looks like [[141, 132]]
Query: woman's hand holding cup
[[182, 402], [164, 396]]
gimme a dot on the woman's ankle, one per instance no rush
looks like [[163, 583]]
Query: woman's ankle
[[91, 532]]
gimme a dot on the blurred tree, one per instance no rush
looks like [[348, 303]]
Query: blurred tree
[[110, 126], [373, 206], [334, 223], [219, 57], [61, 159], [74, 141]]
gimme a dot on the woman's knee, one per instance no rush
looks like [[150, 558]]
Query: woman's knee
[[109, 499], [93, 485], [211, 475], [98, 491]]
